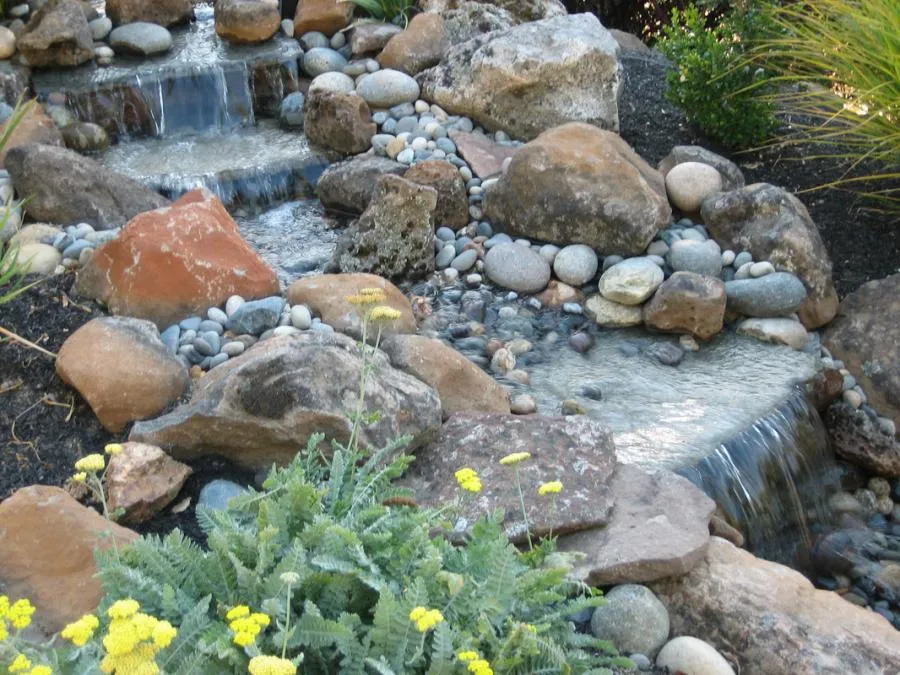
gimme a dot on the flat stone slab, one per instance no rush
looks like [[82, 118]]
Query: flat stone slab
[[573, 450], [658, 528], [484, 156]]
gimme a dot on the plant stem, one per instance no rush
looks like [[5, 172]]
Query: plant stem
[[287, 623], [524, 512], [357, 417]]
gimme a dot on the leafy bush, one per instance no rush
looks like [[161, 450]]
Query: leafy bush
[[393, 11], [712, 81]]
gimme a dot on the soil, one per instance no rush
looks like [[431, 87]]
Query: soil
[[45, 426]]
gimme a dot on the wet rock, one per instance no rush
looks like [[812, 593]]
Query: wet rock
[[35, 127], [162, 12], [732, 178], [610, 314], [775, 294], [142, 480], [141, 39], [687, 654], [575, 451], [780, 331], [687, 302], [452, 202], [633, 619], [47, 545], [339, 122], [263, 405], [57, 35], [324, 16], [631, 281], [517, 268], [192, 258], [420, 46], [577, 184], [861, 441], [85, 137], [247, 21]]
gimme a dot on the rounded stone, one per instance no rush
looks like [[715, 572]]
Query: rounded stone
[[387, 88], [633, 619], [314, 40], [522, 404], [776, 294], [217, 493], [141, 39], [333, 81], [38, 258], [465, 260], [233, 304], [687, 255], [761, 269], [291, 111], [517, 268], [323, 60], [631, 281], [689, 183], [301, 317], [576, 264], [7, 43], [692, 656]]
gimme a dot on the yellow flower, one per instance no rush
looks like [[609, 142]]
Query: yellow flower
[[40, 670], [425, 619], [260, 619], [480, 667], [465, 657], [81, 631], [385, 312], [417, 613], [372, 292], [113, 449], [79, 477], [271, 665], [367, 296], [122, 609], [163, 634], [4, 606], [468, 480], [238, 612], [4, 633], [19, 613], [515, 458], [19, 664], [91, 463], [244, 639], [551, 488]]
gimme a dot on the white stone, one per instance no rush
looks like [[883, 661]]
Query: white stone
[[233, 304], [287, 27], [387, 88], [631, 281], [576, 264], [689, 183], [100, 27], [692, 656], [7, 43], [727, 257], [333, 81], [301, 317], [761, 269], [37, 258], [780, 331], [609, 314]]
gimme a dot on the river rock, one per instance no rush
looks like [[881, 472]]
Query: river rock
[[775, 294], [420, 46], [326, 295], [462, 386], [772, 620], [687, 303], [47, 545], [732, 178], [262, 406], [780, 331], [65, 187], [861, 441], [35, 127], [772, 224], [122, 370], [386, 88], [576, 264], [141, 38], [691, 656], [192, 257], [247, 21], [659, 528], [866, 337], [37, 258], [57, 35], [689, 183], [394, 237], [320, 60], [484, 156], [370, 38], [339, 122], [324, 16], [338, 82], [7, 43], [631, 281], [633, 619], [531, 77], [162, 12], [574, 450], [577, 184], [452, 202], [517, 268], [142, 480], [291, 110], [699, 257], [348, 186], [557, 294], [609, 314], [85, 137], [35, 233]]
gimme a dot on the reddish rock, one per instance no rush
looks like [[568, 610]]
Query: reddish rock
[[325, 16], [824, 388], [452, 200], [688, 303], [121, 369], [483, 155], [142, 480], [557, 294], [420, 46], [247, 21], [163, 12], [191, 257], [47, 542], [370, 38], [35, 127], [338, 121]]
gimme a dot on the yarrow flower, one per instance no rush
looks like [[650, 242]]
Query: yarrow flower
[[91, 463], [385, 312], [133, 639], [20, 664], [514, 458], [551, 488], [81, 631], [113, 449], [18, 614], [246, 625], [425, 619], [367, 296], [468, 479], [465, 657], [237, 612], [122, 609], [480, 667], [79, 477], [40, 670], [271, 665]]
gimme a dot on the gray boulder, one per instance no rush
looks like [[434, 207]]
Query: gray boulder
[[348, 186]]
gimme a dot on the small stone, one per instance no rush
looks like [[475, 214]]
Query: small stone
[[387, 88], [217, 493], [523, 404], [465, 260], [256, 316], [728, 257], [761, 269], [633, 619], [693, 656], [301, 317], [852, 398], [141, 39], [631, 281], [695, 256], [667, 353], [233, 304], [233, 349], [517, 268], [217, 315], [320, 60], [503, 361], [575, 264]]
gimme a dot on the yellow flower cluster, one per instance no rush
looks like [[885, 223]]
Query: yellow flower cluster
[[246, 625], [425, 619], [79, 632], [514, 458], [552, 488], [133, 639], [80, 477], [271, 665], [468, 479], [113, 449], [91, 463], [367, 296], [477, 665], [22, 665], [385, 312], [18, 614]]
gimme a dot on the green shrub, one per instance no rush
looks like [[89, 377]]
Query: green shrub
[[393, 11], [712, 81]]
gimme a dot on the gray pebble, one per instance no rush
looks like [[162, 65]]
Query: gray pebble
[[211, 326], [216, 314], [233, 348], [190, 323], [217, 360]]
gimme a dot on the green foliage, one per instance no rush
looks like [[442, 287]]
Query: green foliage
[[712, 81], [363, 557], [393, 11]]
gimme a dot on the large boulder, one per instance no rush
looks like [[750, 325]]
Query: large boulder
[[64, 187], [466, 20], [47, 545], [35, 127], [532, 77], [57, 35], [339, 121], [348, 186], [191, 255], [122, 370], [772, 224], [326, 295], [394, 237], [577, 184], [452, 200], [262, 406], [163, 12], [420, 46], [462, 386], [573, 450], [772, 620], [247, 21], [866, 337], [324, 16]]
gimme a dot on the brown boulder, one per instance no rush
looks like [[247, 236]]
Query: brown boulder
[[577, 184], [462, 386], [370, 38], [163, 12], [326, 295], [338, 121], [573, 450], [35, 127], [772, 224], [856, 438], [122, 370], [57, 35], [247, 21], [47, 544], [262, 407], [348, 186], [866, 337], [688, 303], [142, 480], [325, 16], [420, 46], [483, 155], [452, 200], [772, 620], [191, 255]]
